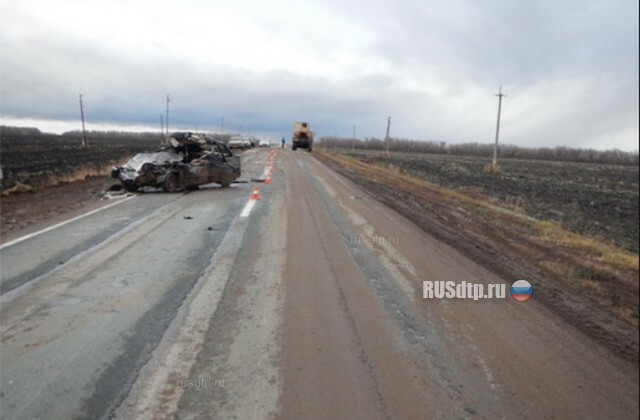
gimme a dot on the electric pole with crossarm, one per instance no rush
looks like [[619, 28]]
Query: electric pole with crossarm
[[495, 146]]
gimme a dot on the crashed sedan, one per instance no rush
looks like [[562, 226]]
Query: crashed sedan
[[188, 161]]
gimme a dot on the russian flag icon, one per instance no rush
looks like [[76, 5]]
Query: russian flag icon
[[521, 290]]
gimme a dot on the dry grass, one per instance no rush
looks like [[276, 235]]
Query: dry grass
[[549, 232], [490, 168], [80, 173], [603, 252]]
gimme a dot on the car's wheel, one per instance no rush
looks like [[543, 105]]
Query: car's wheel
[[130, 186], [170, 183], [309, 148], [294, 147]]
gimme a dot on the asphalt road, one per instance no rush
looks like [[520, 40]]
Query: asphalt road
[[309, 306]]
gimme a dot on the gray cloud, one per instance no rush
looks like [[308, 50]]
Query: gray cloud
[[570, 69]]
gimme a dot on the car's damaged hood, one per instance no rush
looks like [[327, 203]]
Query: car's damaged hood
[[157, 158]]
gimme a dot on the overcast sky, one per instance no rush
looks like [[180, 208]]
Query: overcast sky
[[569, 68]]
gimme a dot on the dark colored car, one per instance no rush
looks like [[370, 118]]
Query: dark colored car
[[190, 160]]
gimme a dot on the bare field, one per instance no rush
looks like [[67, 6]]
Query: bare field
[[45, 159], [594, 199], [588, 282]]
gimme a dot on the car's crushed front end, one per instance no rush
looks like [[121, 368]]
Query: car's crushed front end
[[147, 169]]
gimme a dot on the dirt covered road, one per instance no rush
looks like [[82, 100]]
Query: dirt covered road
[[31, 209], [310, 305]]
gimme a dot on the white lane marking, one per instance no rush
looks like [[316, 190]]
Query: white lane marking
[[50, 228], [23, 288], [247, 208]]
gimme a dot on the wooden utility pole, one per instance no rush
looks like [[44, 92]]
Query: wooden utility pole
[[84, 133], [221, 125], [167, 123], [495, 146], [386, 136], [353, 139]]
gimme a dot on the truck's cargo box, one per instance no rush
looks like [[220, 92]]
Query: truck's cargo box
[[302, 136], [301, 129]]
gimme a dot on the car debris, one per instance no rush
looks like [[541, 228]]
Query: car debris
[[190, 160]]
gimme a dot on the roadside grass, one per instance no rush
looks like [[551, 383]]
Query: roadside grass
[[604, 253], [605, 274]]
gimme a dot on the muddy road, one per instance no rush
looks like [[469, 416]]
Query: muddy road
[[307, 303]]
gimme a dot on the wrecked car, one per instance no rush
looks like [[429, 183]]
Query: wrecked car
[[188, 161]]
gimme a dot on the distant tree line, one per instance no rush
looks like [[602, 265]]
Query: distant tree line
[[6, 130], [111, 136], [31, 134], [560, 153]]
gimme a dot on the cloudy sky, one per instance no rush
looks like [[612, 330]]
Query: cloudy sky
[[569, 68]]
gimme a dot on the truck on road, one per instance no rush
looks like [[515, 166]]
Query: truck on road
[[302, 136]]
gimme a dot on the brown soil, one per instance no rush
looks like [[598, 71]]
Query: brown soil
[[26, 212], [598, 298], [586, 198]]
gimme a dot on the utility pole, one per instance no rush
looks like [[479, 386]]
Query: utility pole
[[84, 133], [495, 146], [386, 137], [221, 125], [353, 139], [168, 100]]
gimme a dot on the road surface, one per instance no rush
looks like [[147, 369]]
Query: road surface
[[307, 305]]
